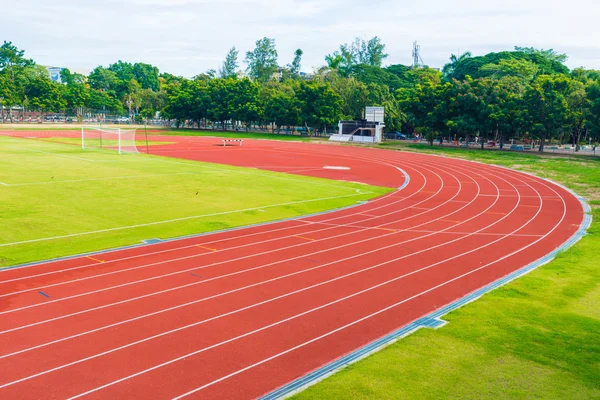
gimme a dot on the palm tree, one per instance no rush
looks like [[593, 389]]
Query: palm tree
[[455, 60]]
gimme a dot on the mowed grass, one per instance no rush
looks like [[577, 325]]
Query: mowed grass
[[58, 200], [535, 338]]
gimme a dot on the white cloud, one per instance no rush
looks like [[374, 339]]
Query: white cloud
[[190, 36]]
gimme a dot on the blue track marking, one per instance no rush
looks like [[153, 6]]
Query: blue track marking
[[432, 320], [44, 294], [152, 241], [197, 276]]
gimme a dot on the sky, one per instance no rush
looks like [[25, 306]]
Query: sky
[[188, 37]]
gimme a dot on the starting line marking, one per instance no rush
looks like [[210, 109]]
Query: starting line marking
[[206, 248], [95, 259]]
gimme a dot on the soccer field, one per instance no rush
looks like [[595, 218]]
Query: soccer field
[[57, 199]]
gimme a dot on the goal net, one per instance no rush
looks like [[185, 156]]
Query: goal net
[[121, 140]]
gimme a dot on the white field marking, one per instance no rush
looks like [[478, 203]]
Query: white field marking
[[4, 184], [336, 168], [308, 312], [200, 255], [182, 271], [239, 310], [177, 220], [193, 163], [53, 154], [298, 219], [268, 281], [100, 179]]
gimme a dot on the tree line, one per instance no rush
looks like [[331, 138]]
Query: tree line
[[524, 93]]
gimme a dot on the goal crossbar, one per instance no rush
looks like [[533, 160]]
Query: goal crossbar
[[122, 140]]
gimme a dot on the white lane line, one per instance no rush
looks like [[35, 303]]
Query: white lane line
[[310, 311], [178, 219]]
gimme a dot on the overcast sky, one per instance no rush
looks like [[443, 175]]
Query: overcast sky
[[186, 37]]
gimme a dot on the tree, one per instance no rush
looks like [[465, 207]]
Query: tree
[[549, 54], [262, 61], [75, 92], [450, 68], [371, 52], [147, 76], [296, 64], [320, 105], [547, 105], [522, 69], [282, 108], [230, 65]]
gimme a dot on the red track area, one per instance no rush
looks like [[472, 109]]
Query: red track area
[[240, 313]]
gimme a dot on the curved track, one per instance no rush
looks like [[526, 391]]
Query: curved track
[[237, 314]]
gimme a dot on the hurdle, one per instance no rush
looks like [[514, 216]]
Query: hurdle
[[225, 141]]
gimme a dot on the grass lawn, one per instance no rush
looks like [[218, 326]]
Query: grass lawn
[[535, 338], [57, 199]]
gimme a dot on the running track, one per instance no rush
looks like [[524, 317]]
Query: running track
[[237, 314]]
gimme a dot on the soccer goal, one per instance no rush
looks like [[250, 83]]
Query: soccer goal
[[122, 140]]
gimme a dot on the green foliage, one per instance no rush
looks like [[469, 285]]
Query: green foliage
[[296, 63], [320, 104], [465, 65], [230, 65], [371, 52], [262, 61]]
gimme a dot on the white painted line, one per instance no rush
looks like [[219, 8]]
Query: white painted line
[[53, 154], [100, 179]]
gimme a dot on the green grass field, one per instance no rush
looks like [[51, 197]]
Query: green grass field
[[57, 199], [535, 338]]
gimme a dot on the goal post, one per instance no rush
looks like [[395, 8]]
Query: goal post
[[122, 140]]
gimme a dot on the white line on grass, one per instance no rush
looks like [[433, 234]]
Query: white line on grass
[[177, 220], [53, 154], [99, 179]]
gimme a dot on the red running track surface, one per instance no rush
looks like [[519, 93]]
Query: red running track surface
[[239, 313]]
